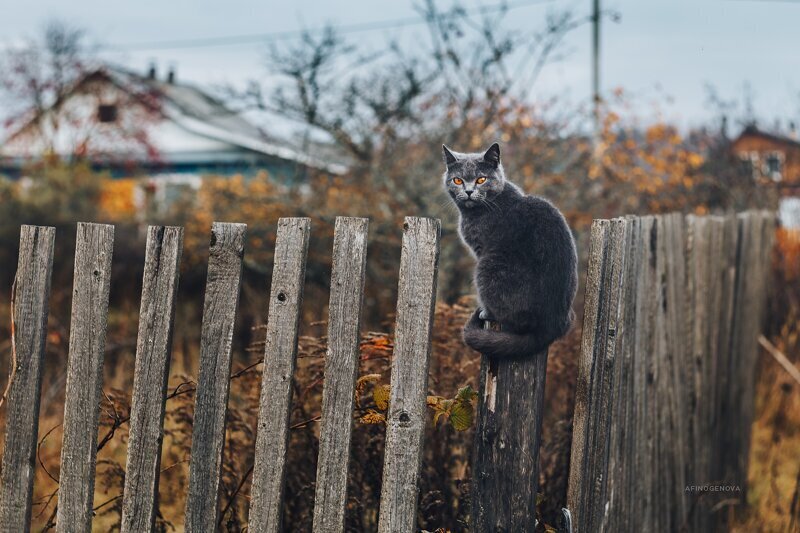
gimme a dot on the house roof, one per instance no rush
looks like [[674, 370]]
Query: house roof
[[196, 111], [752, 130]]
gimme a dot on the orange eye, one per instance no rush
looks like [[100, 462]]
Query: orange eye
[[458, 181], [480, 180]]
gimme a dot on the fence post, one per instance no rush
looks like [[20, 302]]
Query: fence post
[[341, 366], [31, 298], [505, 462], [600, 374], [280, 352], [505, 472], [213, 384], [87, 338], [406, 422], [153, 350]]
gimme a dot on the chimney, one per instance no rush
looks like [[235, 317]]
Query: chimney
[[171, 75], [793, 130], [151, 72]]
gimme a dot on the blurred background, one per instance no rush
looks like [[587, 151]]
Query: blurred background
[[184, 113]]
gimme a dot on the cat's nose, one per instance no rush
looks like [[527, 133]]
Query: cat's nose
[[469, 193]]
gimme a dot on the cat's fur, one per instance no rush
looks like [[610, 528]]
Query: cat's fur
[[526, 275]]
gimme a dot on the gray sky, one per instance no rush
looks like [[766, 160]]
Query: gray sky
[[662, 52]]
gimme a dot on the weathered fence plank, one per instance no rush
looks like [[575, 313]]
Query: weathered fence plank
[[598, 377], [153, 351], [90, 290], [341, 366], [676, 417], [644, 401], [213, 385], [406, 421], [699, 355], [285, 303], [622, 445], [31, 299], [725, 357], [576, 501], [751, 287], [670, 357]]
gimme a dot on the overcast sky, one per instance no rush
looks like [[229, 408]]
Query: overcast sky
[[663, 52]]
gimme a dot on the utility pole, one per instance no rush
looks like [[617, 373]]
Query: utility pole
[[596, 66]]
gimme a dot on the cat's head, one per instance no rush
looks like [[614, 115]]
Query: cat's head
[[472, 180]]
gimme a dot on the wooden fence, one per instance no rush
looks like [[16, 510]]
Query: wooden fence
[[664, 404], [665, 386]]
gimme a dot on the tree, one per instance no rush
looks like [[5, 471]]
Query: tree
[[37, 75], [371, 103]]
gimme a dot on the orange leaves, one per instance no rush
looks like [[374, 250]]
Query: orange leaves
[[117, 198], [652, 167], [787, 243]]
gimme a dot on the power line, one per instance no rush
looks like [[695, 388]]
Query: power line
[[596, 63], [293, 34]]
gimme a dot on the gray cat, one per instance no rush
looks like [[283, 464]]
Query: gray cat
[[526, 274]]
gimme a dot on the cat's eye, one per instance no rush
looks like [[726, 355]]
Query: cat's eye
[[458, 181], [480, 180]]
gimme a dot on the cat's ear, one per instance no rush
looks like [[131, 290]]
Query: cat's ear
[[492, 155], [449, 158]]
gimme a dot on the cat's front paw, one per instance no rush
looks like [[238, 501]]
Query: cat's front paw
[[483, 314]]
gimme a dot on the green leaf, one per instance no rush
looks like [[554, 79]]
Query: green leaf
[[461, 416], [466, 394]]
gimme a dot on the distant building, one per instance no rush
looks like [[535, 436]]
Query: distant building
[[770, 155], [773, 159], [168, 133]]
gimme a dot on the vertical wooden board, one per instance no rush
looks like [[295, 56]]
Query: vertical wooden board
[[31, 298], [581, 426], [749, 309], [696, 360], [280, 351], [603, 417], [589, 495], [677, 345], [717, 275], [722, 411], [153, 352], [341, 366], [626, 518], [739, 346], [760, 256], [621, 447], [90, 290], [407, 409], [663, 487], [644, 378], [716, 278], [213, 384]]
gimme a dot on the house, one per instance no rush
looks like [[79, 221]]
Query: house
[[773, 156], [775, 159], [161, 132]]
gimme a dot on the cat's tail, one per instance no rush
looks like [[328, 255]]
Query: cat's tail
[[504, 344]]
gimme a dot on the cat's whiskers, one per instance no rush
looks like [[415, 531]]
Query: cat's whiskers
[[491, 205], [449, 205]]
